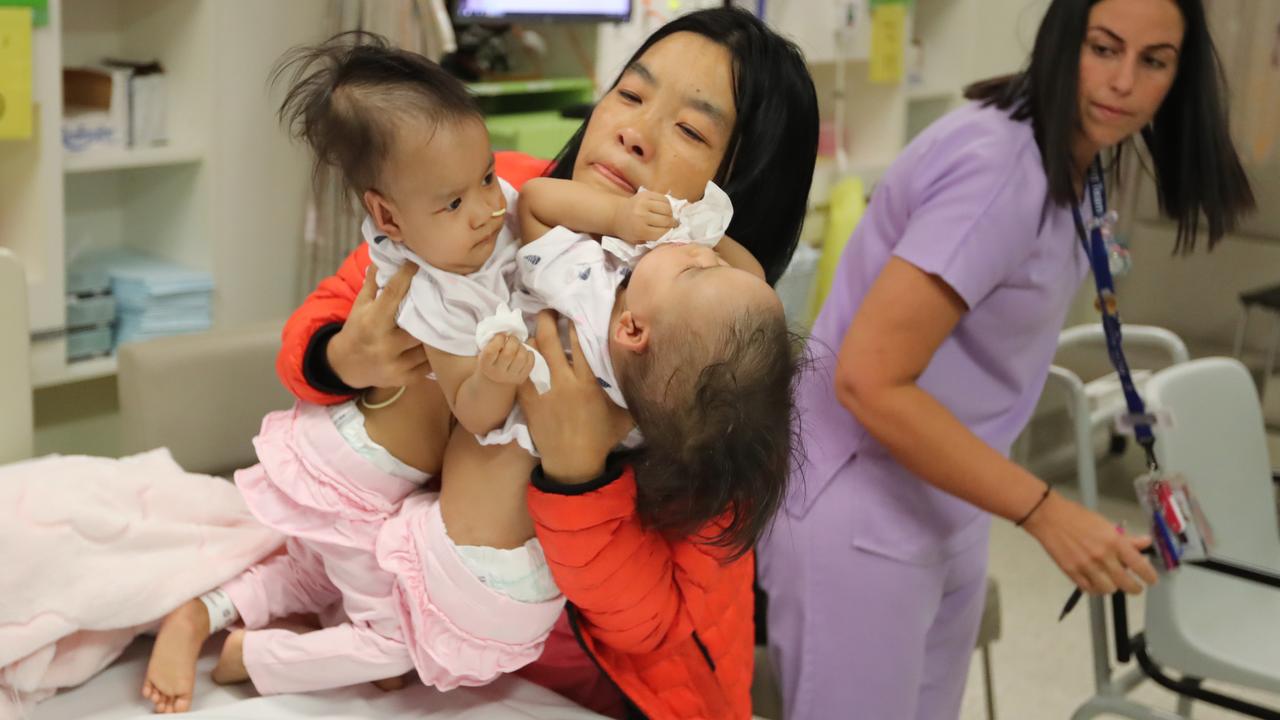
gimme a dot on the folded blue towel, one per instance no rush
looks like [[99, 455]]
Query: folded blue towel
[[154, 297], [137, 277]]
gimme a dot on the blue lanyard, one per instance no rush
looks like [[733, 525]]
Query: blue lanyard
[[1095, 247]]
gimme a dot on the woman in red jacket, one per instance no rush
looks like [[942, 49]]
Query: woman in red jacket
[[713, 95]]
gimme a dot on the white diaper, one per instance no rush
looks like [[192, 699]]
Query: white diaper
[[350, 423], [520, 574]]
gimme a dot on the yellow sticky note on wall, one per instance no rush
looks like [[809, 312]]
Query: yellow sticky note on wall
[[15, 73], [888, 36]]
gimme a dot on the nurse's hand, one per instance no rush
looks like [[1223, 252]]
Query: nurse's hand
[[1089, 549], [574, 425], [371, 350]]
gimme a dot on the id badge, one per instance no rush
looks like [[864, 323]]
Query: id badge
[[1180, 531]]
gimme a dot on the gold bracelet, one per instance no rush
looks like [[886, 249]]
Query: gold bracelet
[[378, 406]]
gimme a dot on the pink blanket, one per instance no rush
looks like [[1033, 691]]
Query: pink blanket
[[94, 551]]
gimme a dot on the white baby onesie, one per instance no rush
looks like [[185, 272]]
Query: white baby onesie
[[571, 273], [445, 310], [442, 308]]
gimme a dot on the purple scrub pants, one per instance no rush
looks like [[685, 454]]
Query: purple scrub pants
[[856, 634]]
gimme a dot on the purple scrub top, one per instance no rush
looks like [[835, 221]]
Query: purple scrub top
[[966, 201]]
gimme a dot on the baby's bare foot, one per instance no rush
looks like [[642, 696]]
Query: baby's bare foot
[[171, 672], [230, 668]]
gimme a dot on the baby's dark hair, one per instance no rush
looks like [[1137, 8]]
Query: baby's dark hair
[[347, 95], [718, 417]]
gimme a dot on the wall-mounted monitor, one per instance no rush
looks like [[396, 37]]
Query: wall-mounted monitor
[[480, 11]]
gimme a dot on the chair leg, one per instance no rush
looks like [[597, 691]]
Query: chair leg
[[1273, 350], [1241, 327], [988, 682], [1184, 701]]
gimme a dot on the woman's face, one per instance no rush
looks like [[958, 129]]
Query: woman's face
[[666, 124], [1127, 65]]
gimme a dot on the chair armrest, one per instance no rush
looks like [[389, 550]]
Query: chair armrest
[[1252, 573], [202, 396], [1148, 335], [1120, 624], [1119, 608]]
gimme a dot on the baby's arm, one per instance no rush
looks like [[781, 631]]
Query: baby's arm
[[482, 390], [643, 217], [738, 256], [548, 202]]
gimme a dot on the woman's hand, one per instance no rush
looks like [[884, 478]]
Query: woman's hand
[[574, 425], [1089, 549], [371, 350]]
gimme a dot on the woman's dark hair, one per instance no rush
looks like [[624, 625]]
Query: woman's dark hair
[[718, 417], [1196, 168], [346, 96], [768, 164]]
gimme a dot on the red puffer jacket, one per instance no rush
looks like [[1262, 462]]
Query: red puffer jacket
[[667, 620]]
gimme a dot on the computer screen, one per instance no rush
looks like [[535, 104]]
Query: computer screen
[[498, 10]]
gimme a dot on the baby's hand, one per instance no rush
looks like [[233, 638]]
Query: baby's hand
[[505, 361], [644, 217]]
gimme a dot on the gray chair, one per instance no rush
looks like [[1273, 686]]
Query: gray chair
[[1202, 624], [202, 396]]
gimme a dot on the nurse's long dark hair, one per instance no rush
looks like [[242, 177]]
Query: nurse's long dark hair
[[768, 166], [1196, 167]]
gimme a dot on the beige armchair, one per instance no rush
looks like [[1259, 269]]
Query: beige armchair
[[202, 396]]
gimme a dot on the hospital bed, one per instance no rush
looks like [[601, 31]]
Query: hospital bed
[[231, 375], [114, 695]]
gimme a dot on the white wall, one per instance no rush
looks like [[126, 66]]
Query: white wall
[[260, 179], [1005, 35]]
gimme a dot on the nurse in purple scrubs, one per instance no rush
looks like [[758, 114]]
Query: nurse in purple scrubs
[[935, 343]]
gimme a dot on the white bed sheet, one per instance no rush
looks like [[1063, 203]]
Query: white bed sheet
[[114, 694]]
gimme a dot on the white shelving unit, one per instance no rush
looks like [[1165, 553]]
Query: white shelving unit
[[49, 374], [107, 160], [192, 200], [926, 94], [152, 198]]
